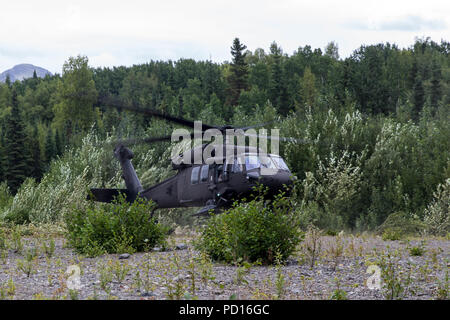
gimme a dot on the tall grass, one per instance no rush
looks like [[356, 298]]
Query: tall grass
[[67, 182]]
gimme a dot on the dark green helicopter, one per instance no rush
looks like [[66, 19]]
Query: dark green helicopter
[[229, 172]]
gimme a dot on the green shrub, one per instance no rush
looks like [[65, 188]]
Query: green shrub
[[398, 225], [442, 289], [396, 279], [339, 294], [391, 234], [252, 231], [114, 228], [356, 170], [5, 196], [3, 240], [437, 214], [416, 251], [331, 233], [407, 164]]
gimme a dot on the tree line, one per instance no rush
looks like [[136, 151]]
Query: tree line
[[40, 118]]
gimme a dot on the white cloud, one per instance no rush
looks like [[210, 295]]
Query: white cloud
[[402, 23], [114, 32]]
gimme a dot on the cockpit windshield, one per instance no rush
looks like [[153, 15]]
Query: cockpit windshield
[[254, 161], [279, 162]]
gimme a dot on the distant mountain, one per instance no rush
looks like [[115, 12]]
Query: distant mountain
[[23, 71]]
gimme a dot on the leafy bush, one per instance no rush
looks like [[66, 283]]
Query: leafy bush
[[396, 278], [253, 231], [114, 228], [417, 251], [334, 188], [312, 245], [5, 196], [358, 170], [339, 294], [437, 214], [400, 224], [391, 234], [407, 164]]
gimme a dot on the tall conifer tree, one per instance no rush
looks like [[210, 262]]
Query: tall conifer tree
[[34, 160], [419, 97], [15, 147], [238, 78], [435, 84], [50, 151]]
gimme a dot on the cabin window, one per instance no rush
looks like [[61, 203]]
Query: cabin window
[[252, 162], [194, 175], [204, 173], [219, 173]]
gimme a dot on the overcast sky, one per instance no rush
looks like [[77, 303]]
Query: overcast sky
[[127, 32]]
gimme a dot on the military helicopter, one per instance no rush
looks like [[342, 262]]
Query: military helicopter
[[229, 172]]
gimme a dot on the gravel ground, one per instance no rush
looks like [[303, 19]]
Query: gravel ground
[[184, 273]]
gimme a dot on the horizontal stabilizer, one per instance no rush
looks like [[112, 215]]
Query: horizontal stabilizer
[[108, 195]]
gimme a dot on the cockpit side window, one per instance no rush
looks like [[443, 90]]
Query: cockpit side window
[[204, 173], [219, 173], [252, 162], [194, 175]]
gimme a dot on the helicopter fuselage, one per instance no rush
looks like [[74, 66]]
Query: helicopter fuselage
[[201, 185], [212, 185]]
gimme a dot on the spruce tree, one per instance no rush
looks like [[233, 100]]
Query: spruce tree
[[238, 78], [419, 97], [50, 150], [435, 84], [15, 148], [413, 74], [33, 82], [34, 161], [2, 158], [277, 86], [58, 143], [8, 81]]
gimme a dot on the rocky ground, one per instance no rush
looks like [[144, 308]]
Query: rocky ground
[[409, 269]]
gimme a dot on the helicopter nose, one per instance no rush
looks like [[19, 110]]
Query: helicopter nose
[[278, 181]]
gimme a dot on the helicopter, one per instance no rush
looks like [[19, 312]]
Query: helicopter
[[228, 173]]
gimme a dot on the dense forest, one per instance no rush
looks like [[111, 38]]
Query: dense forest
[[377, 123]]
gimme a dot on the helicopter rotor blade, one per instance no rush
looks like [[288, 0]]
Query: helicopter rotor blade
[[169, 138], [147, 140], [117, 103], [255, 125], [284, 139], [142, 140]]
